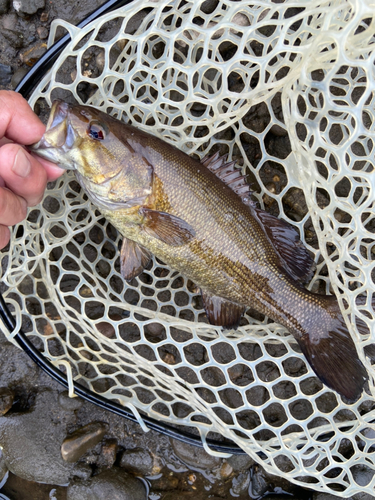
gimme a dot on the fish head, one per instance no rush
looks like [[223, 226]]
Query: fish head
[[97, 147]]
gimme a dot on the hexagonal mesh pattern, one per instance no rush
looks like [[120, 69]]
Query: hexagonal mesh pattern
[[287, 90]]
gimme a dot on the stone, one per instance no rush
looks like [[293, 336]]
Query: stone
[[6, 395], [82, 471], [139, 461], [31, 56], [4, 6], [18, 75], [82, 440], [68, 403], [241, 483], [31, 440], [26, 8], [108, 453], [226, 470], [3, 466], [44, 17], [114, 484], [240, 462], [14, 37], [42, 32], [192, 455]]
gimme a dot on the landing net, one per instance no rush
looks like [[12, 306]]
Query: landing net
[[286, 89]]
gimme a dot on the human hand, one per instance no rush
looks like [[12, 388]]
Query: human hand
[[23, 177]]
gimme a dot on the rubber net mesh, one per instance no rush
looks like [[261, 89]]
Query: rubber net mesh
[[286, 89]]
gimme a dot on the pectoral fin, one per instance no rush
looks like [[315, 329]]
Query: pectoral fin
[[221, 312], [166, 227], [134, 258]]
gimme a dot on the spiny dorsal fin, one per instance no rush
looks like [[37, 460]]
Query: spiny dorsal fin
[[230, 174], [221, 312], [294, 256]]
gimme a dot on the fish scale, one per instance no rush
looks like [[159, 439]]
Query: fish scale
[[194, 217]]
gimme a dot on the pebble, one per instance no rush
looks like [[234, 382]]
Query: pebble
[[4, 6], [108, 453], [14, 37], [69, 404], [42, 32], [139, 461], [31, 56], [25, 8], [81, 471], [114, 484], [192, 455], [44, 17], [6, 395], [241, 483], [226, 470], [18, 75], [83, 439]]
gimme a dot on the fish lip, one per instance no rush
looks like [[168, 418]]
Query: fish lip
[[58, 114]]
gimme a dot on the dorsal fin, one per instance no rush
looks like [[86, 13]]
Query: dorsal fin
[[294, 256], [230, 174]]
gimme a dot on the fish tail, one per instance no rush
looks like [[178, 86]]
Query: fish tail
[[332, 354]]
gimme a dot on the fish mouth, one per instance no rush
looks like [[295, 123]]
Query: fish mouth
[[59, 136]]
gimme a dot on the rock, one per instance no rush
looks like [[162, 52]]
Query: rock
[[31, 442], [3, 466], [42, 32], [108, 453], [82, 440], [259, 484], [139, 461], [240, 462], [192, 455], [6, 395], [4, 6], [5, 77], [14, 37], [18, 75], [69, 404], [226, 470], [25, 8], [31, 56], [241, 483], [82, 471], [114, 484], [44, 17]]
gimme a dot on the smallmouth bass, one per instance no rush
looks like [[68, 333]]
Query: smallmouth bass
[[197, 217]]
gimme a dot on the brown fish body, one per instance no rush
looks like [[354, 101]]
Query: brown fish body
[[166, 203]]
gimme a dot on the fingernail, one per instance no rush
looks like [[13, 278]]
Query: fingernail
[[21, 165]]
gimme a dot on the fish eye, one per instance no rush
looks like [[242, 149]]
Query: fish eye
[[96, 131]]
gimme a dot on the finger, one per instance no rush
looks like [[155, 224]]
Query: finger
[[4, 236], [22, 174], [13, 208], [53, 171], [18, 122]]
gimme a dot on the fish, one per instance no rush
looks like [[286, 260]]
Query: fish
[[199, 219]]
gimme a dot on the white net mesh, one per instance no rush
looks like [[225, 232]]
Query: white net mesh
[[287, 90]]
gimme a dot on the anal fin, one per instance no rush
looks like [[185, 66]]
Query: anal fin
[[221, 312], [133, 259]]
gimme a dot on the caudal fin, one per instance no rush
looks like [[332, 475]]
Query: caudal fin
[[333, 355]]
